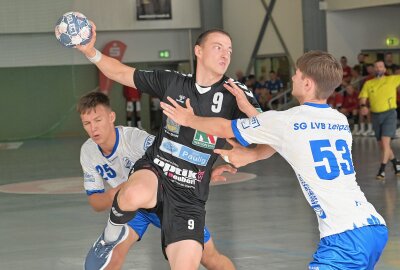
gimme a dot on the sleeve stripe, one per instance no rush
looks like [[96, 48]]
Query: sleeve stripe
[[237, 134], [94, 191]]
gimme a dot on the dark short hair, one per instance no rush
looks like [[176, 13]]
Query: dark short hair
[[204, 35], [91, 100]]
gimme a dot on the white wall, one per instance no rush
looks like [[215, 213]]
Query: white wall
[[27, 31], [37, 16], [243, 20], [352, 4], [350, 31]]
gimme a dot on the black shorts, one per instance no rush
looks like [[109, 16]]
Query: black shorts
[[180, 216]]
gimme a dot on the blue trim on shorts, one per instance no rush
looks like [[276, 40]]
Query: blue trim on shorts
[[143, 219], [357, 249], [237, 134]]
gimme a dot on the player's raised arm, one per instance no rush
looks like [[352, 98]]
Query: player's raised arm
[[185, 116], [112, 68]]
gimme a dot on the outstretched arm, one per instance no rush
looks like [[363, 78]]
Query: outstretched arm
[[240, 156], [112, 68], [184, 116]]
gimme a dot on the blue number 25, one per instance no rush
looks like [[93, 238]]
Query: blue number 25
[[105, 171], [334, 170]]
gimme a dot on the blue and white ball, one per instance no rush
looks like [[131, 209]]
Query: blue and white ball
[[73, 28]]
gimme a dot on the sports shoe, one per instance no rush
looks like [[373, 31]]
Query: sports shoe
[[397, 168], [100, 254], [380, 175]]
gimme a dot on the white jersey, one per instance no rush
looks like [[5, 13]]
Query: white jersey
[[131, 144], [316, 141]]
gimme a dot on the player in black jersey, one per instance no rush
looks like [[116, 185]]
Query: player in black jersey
[[172, 179]]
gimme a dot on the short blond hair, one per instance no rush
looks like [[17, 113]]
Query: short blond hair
[[323, 69]]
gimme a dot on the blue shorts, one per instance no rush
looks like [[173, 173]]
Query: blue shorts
[[357, 249], [142, 220]]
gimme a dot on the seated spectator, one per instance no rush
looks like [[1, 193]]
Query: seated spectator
[[350, 105], [335, 100], [346, 69], [356, 78]]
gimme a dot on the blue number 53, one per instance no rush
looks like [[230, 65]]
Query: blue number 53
[[322, 149]]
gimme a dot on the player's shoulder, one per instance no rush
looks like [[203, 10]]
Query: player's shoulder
[[88, 149], [131, 131], [239, 84]]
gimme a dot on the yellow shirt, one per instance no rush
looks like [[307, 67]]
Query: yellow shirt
[[381, 93]]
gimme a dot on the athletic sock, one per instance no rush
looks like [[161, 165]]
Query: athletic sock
[[116, 221]]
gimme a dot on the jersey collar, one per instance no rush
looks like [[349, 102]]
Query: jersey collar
[[115, 145], [316, 105]]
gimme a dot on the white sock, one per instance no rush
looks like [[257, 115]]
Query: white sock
[[112, 231]]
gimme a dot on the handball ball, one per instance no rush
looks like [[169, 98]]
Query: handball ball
[[73, 28]]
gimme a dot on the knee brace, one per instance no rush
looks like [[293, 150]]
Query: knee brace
[[118, 216]]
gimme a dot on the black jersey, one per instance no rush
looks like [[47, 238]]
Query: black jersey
[[184, 155]]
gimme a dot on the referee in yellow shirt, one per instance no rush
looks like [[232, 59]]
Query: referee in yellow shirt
[[381, 93]]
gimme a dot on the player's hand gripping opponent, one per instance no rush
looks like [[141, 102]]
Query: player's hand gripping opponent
[[241, 99], [176, 112]]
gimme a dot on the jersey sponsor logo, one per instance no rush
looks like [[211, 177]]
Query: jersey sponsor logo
[[87, 177], [172, 128], [313, 198], [148, 142], [249, 122], [204, 140], [183, 176], [128, 163], [181, 99], [185, 153]]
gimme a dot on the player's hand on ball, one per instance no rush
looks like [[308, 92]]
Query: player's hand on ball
[[88, 49], [177, 113]]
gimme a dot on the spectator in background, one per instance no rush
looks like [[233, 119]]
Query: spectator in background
[[240, 76], [251, 82], [356, 78], [362, 64], [381, 94], [335, 100], [274, 86], [349, 105], [346, 69], [389, 65], [132, 97]]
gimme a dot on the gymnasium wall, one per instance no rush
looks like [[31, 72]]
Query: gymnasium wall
[[41, 81], [350, 31], [243, 20]]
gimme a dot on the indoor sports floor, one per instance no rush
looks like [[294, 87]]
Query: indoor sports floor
[[261, 223]]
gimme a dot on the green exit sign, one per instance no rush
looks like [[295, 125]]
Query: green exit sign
[[164, 54], [392, 41]]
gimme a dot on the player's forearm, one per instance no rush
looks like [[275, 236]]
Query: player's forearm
[[263, 151], [112, 68], [100, 202], [250, 111], [363, 101], [216, 126]]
